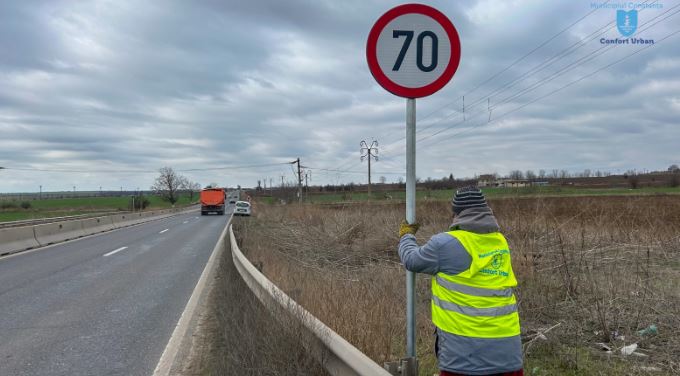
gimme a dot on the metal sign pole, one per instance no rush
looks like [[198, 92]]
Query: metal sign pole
[[410, 218]]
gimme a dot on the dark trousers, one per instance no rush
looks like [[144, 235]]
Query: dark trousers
[[447, 373]]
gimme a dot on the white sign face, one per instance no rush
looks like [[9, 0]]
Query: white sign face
[[413, 50]]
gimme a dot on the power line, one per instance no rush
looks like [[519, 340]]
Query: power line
[[515, 62], [352, 172], [546, 63], [565, 69], [502, 71], [563, 87]]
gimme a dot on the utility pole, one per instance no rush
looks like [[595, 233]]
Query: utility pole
[[308, 175], [40, 196], [299, 173], [368, 152], [282, 186]]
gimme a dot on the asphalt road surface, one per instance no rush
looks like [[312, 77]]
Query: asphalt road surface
[[103, 305]]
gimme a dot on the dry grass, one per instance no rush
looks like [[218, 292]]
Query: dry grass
[[237, 336], [591, 269]]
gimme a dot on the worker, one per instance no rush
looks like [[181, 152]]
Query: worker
[[474, 308]]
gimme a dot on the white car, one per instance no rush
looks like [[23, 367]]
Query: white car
[[242, 208]]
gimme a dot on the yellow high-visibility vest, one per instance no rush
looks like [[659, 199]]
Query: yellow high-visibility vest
[[478, 302]]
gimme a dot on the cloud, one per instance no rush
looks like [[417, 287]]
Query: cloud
[[118, 85]]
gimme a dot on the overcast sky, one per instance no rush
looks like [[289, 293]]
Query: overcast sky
[[110, 88]]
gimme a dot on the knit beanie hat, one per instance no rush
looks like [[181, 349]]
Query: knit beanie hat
[[468, 197]]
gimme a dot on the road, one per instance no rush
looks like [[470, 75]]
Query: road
[[103, 305]]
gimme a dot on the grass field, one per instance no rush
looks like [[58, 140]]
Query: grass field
[[446, 194], [48, 208], [591, 270]]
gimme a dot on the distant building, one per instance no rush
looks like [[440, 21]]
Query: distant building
[[487, 180], [491, 181], [514, 183]]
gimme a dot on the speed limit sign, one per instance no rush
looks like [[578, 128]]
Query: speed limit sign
[[413, 50]]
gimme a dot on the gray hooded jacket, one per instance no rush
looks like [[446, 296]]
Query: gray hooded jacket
[[444, 253]]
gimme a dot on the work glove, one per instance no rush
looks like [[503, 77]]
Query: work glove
[[406, 228]]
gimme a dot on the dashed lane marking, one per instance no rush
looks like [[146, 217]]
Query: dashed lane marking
[[164, 230], [115, 251]]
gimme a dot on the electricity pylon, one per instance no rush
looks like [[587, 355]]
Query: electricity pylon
[[369, 152]]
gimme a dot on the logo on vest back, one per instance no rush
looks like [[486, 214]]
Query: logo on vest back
[[497, 261]]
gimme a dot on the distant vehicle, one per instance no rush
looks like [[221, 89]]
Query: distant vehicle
[[233, 197], [242, 208], [212, 200]]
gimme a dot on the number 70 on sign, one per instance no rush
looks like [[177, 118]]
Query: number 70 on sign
[[413, 50]]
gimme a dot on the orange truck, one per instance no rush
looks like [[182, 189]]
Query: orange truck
[[212, 200]]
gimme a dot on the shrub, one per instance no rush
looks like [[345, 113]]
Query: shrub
[[674, 181], [141, 202], [25, 205], [8, 205]]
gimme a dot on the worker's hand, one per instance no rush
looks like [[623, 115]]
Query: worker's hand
[[406, 228]]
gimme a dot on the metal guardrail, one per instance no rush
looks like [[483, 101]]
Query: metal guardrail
[[340, 357]]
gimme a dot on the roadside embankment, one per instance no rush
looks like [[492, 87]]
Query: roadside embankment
[[236, 335]]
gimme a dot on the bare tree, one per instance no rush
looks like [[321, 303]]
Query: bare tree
[[541, 173], [168, 184], [193, 187], [555, 173], [586, 173], [673, 168], [530, 175], [633, 178], [564, 174], [383, 180], [516, 175]]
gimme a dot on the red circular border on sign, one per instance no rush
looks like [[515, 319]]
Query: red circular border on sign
[[372, 44]]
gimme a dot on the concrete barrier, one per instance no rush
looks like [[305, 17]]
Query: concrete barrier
[[58, 232], [17, 239], [135, 218], [120, 220], [95, 225]]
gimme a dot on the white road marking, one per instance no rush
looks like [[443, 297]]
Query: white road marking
[[185, 222], [115, 251], [196, 217], [164, 230]]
